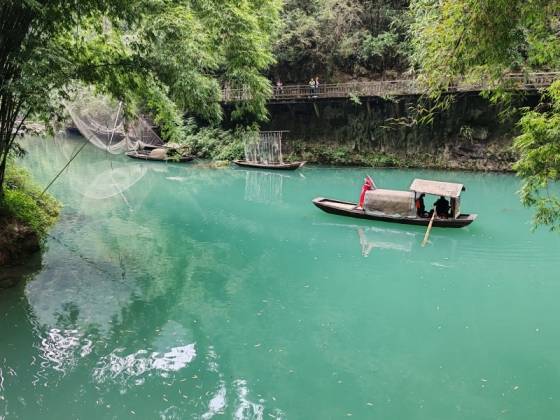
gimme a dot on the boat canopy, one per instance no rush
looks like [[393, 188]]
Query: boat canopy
[[447, 189]]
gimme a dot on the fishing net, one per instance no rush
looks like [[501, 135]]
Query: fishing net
[[91, 174], [102, 121], [264, 147]]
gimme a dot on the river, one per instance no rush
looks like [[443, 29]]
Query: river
[[185, 291]]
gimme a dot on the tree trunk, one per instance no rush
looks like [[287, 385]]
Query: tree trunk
[[8, 133], [3, 161], [15, 21], [2, 174]]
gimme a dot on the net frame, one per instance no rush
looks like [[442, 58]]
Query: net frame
[[104, 124], [264, 147]]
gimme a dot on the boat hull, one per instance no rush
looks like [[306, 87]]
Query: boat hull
[[345, 208], [141, 156], [276, 166]]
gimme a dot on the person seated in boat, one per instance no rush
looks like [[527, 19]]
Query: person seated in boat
[[442, 207], [420, 206]]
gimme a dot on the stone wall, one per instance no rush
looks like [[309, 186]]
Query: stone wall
[[376, 131]]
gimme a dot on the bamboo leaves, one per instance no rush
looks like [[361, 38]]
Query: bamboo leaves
[[485, 39], [165, 57]]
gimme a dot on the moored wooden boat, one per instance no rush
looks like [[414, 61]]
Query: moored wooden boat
[[345, 208], [150, 147], [146, 156], [277, 166]]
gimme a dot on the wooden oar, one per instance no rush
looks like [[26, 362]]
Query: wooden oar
[[427, 235]]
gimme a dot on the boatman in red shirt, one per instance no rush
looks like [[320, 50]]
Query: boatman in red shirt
[[368, 185]]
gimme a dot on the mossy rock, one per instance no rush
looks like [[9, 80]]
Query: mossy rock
[[25, 216]]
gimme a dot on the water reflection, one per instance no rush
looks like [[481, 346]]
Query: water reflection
[[11, 276], [60, 293], [187, 300], [119, 264], [94, 179], [373, 237], [264, 187]]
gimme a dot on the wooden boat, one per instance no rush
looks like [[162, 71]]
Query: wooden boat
[[146, 156], [345, 208], [398, 206], [150, 147], [290, 166]]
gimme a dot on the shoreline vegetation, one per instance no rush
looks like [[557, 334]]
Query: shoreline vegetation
[[498, 159], [496, 155], [25, 217]]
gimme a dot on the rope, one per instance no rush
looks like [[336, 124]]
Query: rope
[[62, 170]]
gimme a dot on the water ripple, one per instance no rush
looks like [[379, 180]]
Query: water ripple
[[246, 409], [60, 349], [218, 402], [122, 368]]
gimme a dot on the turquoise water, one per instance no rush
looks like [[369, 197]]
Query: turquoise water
[[183, 291]]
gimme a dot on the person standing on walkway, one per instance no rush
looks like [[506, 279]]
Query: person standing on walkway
[[316, 85], [279, 87], [312, 87]]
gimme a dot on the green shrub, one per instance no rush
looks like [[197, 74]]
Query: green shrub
[[23, 201], [231, 151], [217, 144]]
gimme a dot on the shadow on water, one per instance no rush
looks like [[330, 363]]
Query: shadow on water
[[11, 276]]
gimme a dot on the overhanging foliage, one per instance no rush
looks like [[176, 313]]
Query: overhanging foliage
[[483, 40], [165, 57]]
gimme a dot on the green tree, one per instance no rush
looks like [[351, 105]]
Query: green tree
[[484, 40], [161, 56], [330, 37], [539, 162]]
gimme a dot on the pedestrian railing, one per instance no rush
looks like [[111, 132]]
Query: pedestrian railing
[[386, 88]]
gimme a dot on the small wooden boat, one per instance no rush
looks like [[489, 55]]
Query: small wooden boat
[[399, 206], [345, 208], [146, 155], [150, 147], [290, 166]]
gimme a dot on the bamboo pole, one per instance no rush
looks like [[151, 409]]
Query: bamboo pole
[[427, 235], [62, 170]]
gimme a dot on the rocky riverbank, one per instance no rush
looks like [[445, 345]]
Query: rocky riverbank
[[473, 156], [25, 217], [471, 135], [32, 129], [18, 242]]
